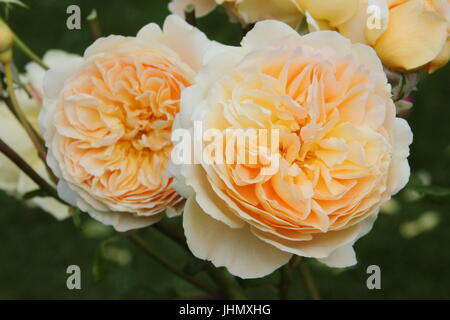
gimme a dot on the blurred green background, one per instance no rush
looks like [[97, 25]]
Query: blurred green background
[[409, 241]]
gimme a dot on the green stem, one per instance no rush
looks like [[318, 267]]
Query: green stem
[[141, 243], [17, 111], [285, 281], [308, 279], [28, 52], [219, 275], [227, 282], [33, 175], [14, 106]]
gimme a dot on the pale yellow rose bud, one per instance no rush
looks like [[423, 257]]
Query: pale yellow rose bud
[[6, 41], [416, 37]]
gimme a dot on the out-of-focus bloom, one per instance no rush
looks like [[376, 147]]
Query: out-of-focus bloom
[[245, 11], [107, 121], [342, 151], [6, 41], [12, 179], [406, 34]]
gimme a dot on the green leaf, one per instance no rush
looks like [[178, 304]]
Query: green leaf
[[35, 193]]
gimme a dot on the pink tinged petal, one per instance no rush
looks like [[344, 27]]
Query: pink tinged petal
[[243, 254]]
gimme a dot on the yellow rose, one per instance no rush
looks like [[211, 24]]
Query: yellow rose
[[107, 120], [406, 34], [12, 179], [417, 35], [342, 152], [245, 11]]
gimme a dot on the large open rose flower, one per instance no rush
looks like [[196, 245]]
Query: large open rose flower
[[12, 179], [406, 34], [107, 120], [342, 151]]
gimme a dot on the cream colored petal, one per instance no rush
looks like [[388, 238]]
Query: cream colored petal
[[368, 58], [54, 78], [345, 256], [265, 33], [202, 7], [176, 210], [399, 171], [121, 222], [342, 257], [243, 254], [208, 200], [52, 58], [188, 42], [321, 246], [334, 11], [414, 36], [328, 39]]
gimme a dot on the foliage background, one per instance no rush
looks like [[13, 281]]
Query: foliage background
[[409, 241]]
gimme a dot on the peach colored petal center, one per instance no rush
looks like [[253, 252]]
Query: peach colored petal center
[[113, 124]]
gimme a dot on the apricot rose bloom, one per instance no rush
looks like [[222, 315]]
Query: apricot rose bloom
[[107, 121], [342, 151]]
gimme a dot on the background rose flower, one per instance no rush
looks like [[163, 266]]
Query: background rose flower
[[12, 179], [343, 151], [417, 35], [245, 11], [407, 34], [107, 120]]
